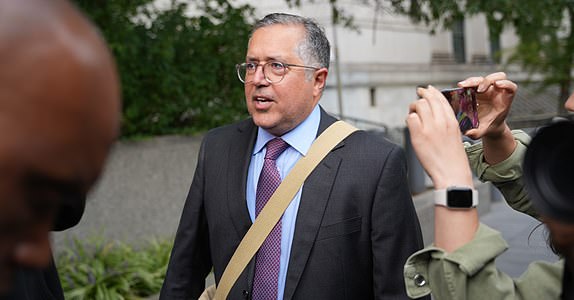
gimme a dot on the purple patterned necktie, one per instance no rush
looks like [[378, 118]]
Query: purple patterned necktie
[[267, 259]]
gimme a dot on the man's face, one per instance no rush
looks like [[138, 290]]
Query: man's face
[[59, 115], [47, 159], [57, 128], [280, 107]]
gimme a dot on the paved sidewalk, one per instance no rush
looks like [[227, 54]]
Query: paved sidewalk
[[526, 240]]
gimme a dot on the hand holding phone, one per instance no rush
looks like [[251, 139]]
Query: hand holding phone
[[464, 105]]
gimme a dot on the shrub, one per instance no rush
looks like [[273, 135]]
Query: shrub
[[112, 270], [177, 71]]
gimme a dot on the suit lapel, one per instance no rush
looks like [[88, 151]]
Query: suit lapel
[[238, 163], [314, 199]]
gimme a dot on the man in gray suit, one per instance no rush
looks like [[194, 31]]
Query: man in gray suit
[[347, 232]]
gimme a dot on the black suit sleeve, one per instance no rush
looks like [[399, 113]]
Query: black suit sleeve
[[35, 284], [396, 231], [190, 260]]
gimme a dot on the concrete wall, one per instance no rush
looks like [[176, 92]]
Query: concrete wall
[[395, 87], [141, 193]]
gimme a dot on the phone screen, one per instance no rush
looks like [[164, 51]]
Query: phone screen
[[463, 102]]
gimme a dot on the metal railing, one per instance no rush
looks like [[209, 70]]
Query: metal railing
[[364, 123]]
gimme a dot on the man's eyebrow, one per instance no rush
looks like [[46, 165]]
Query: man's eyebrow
[[266, 59]]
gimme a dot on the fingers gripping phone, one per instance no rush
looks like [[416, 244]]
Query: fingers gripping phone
[[463, 102]]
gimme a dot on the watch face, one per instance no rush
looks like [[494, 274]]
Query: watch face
[[459, 198]]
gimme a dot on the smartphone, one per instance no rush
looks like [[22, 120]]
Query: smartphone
[[463, 102]]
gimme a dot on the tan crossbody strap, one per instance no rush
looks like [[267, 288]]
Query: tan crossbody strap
[[273, 210]]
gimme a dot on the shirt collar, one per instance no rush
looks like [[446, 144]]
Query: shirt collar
[[300, 138]]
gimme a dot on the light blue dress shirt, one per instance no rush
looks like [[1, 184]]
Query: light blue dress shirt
[[299, 140]]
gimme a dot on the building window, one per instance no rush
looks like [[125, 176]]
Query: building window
[[458, 41], [373, 94]]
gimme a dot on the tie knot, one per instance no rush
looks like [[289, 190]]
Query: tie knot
[[275, 147]]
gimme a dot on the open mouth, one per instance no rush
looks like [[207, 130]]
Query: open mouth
[[262, 103], [262, 99]]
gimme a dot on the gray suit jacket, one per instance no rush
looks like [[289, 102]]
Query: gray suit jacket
[[355, 227]]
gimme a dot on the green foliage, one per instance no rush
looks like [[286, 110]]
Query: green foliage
[[177, 71], [338, 14], [544, 29], [109, 271], [436, 13]]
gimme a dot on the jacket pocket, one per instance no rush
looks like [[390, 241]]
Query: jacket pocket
[[344, 227]]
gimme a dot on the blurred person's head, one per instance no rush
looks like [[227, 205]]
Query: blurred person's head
[[285, 72], [59, 115], [549, 174]]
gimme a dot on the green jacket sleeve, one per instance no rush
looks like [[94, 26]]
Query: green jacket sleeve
[[470, 273], [506, 175]]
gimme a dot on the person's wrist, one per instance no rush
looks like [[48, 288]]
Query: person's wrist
[[498, 148], [497, 133], [454, 179]]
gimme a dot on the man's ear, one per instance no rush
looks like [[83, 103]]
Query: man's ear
[[320, 77]]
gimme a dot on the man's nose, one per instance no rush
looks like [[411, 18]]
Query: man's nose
[[34, 250], [259, 76]]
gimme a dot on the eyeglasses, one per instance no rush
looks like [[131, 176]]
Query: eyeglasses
[[273, 71]]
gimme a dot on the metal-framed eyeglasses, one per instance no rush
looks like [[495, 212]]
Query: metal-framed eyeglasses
[[273, 71]]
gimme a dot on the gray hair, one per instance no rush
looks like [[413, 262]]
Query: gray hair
[[314, 50]]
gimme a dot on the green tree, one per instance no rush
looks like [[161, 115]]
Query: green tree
[[544, 28], [177, 71]]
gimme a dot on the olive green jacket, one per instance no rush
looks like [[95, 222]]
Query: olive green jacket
[[470, 272]]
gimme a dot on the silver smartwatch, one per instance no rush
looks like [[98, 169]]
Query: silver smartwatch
[[456, 197]]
